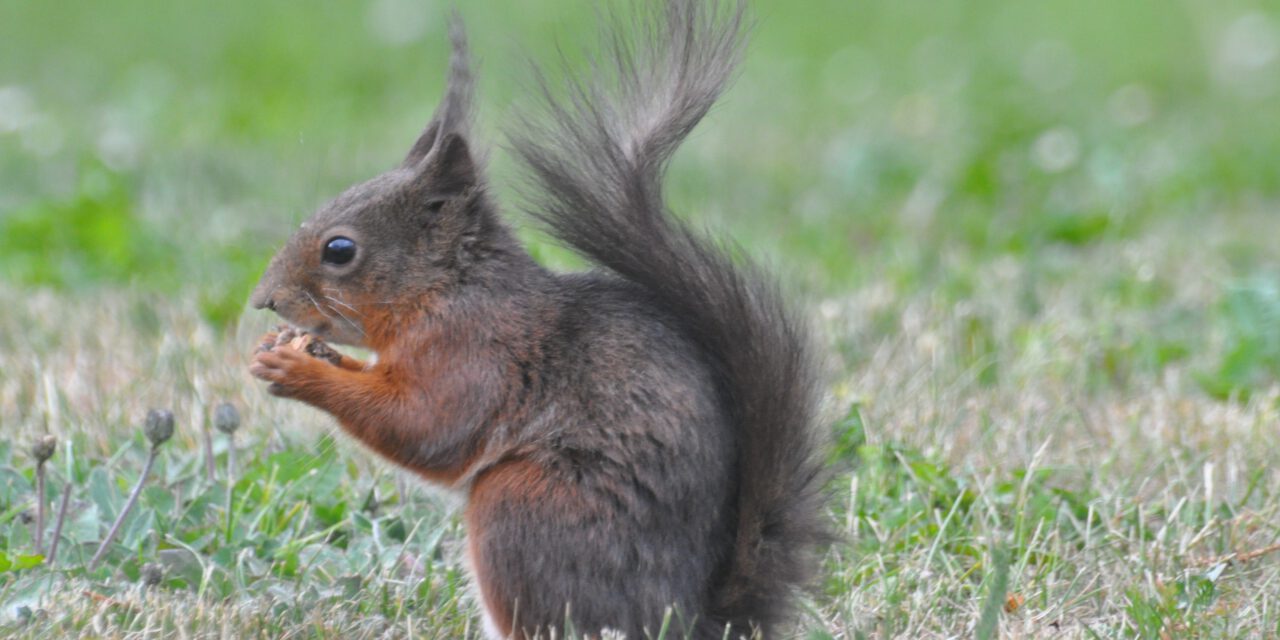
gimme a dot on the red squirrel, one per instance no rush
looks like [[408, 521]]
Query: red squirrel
[[634, 443]]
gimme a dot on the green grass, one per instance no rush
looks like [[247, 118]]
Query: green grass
[[1038, 240]]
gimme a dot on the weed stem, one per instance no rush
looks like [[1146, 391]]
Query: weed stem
[[40, 508], [128, 506], [57, 526], [42, 450], [231, 480], [208, 455]]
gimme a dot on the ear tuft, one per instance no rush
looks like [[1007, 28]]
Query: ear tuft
[[455, 110]]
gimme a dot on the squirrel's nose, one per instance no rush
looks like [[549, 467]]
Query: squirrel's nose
[[263, 299], [264, 293]]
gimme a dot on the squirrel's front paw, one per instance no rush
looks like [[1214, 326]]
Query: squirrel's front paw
[[290, 371], [289, 337], [272, 339]]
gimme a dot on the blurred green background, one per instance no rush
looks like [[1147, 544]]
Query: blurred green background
[[171, 146], [1039, 238]]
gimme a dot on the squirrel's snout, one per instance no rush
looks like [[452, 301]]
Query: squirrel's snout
[[263, 297], [264, 302], [269, 285]]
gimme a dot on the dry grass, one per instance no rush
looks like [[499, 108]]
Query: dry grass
[[1131, 502], [1178, 490]]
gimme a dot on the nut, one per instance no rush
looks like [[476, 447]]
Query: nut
[[318, 349], [286, 335]]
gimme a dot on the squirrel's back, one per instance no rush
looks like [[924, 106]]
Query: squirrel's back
[[596, 153]]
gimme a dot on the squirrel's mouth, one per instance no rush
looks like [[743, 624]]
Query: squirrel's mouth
[[319, 327], [320, 330], [330, 326], [335, 333]]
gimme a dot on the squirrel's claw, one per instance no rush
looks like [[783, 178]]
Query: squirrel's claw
[[267, 343]]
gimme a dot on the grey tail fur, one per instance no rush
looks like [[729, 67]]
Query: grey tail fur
[[596, 154]]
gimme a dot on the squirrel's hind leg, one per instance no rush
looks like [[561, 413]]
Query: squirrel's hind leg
[[529, 559], [550, 546]]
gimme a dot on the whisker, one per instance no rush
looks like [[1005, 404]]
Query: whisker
[[316, 304], [347, 320], [319, 308], [339, 301], [357, 311]]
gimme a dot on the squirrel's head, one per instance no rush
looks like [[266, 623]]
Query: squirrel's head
[[406, 237]]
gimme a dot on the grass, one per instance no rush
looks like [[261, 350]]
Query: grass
[[1037, 240]]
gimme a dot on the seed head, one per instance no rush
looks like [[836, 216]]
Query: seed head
[[159, 426], [152, 574], [226, 418], [44, 448]]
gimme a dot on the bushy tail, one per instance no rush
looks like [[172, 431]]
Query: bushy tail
[[596, 154]]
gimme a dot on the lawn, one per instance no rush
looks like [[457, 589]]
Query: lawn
[[1038, 242]]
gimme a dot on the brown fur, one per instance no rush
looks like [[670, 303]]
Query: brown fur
[[521, 479]]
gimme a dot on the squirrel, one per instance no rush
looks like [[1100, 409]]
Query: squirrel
[[636, 444]]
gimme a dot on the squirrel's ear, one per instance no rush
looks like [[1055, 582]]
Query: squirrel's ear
[[423, 145], [454, 113], [449, 167]]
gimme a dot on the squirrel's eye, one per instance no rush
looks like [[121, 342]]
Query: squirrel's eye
[[339, 250]]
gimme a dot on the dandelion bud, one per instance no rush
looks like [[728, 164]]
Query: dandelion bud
[[159, 426], [44, 448], [152, 574], [226, 418]]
